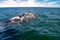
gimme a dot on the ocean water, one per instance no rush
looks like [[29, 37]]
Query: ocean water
[[45, 27]]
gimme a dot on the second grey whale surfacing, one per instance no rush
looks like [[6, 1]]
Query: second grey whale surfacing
[[21, 18]]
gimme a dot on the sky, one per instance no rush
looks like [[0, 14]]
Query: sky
[[29, 3]]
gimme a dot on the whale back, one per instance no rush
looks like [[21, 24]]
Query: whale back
[[22, 18]]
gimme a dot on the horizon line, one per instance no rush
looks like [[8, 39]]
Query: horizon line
[[40, 7]]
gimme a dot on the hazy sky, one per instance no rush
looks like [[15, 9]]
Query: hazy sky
[[29, 3]]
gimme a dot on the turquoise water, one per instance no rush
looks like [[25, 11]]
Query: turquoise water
[[45, 27]]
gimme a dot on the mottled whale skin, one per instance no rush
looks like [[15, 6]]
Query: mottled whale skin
[[21, 18]]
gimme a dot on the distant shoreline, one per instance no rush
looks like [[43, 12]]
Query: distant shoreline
[[29, 7]]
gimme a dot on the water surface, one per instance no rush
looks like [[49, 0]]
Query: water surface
[[45, 27]]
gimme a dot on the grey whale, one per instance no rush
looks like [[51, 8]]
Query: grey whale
[[21, 18]]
